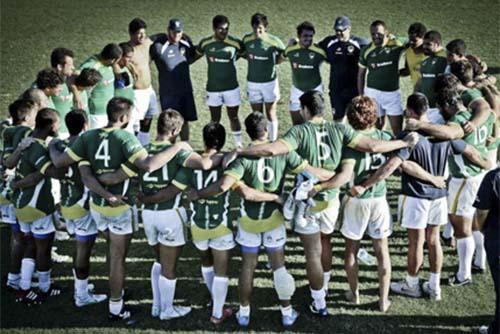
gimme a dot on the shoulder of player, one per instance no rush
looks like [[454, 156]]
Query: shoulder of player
[[249, 37], [316, 48], [292, 48], [395, 41], [91, 62], [233, 41], [206, 41], [365, 50]]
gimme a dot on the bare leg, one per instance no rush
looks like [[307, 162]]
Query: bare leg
[[215, 113], [82, 258], [326, 252], [232, 113], [168, 260], [351, 268], [185, 131], [384, 271], [245, 283], [118, 247], [396, 124], [415, 250], [296, 117], [314, 268]]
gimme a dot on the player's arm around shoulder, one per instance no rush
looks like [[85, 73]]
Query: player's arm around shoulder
[[254, 195]]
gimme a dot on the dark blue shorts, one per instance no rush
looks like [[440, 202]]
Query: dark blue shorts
[[183, 103]]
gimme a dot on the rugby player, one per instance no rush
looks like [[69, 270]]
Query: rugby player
[[85, 83], [124, 73], [414, 54], [61, 59], [50, 82]]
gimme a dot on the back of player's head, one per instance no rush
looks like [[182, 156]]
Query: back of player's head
[[457, 47], [58, 56], [135, 25], [126, 48], [111, 52], [36, 95], [88, 77], [462, 70], [448, 99], [219, 20], [418, 29], [46, 118], [214, 135], [306, 25], [258, 19], [377, 23], [362, 112], [48, 78], [117, 107], [169, 121], [75, 121], [477, 65], [313, 101], [256, 125], [433, 36], [418, 103], [20, 110], [446, 81]]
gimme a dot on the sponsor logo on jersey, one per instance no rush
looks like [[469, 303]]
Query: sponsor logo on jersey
[[350, 49], [311, 55]]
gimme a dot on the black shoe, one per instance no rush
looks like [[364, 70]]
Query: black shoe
[[454, 281], [125, 316], [53, 291], [28, 297], [477, 269]]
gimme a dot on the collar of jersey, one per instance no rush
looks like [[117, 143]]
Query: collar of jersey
[[367, 131], [40, 141], [257, 142], [317, 121], [161, 142]]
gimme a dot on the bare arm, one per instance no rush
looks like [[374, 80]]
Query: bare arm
[[28, 181], [481, 216], [254, 195], [214, 189], [320, 173], [480, 112], [417, 85], [474, 156], [93, 185], [265, 150], [164, 194], [151, 163], [12, 160], [112, 178], [196, 161], [361, 80], [59, 159], [404, 72], [415, 170], [448, 131], [381, 174], [370, 145], [337, 181], [56, 173]]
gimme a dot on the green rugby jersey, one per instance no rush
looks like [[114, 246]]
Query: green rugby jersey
[[18, 133], [106, 150], [221, 56], [264, 174], [461, 167], [63, 103], [382, 64], [84, 96], [470, 95], [125, 86], [151, 183], [210, 216], [104, 90], [262, 54], [365, 164], [35, 202], [321, 143], [306, 63], [74, 195], [429, 70]]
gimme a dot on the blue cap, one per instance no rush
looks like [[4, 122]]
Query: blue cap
[[175, 25], [342, 23]]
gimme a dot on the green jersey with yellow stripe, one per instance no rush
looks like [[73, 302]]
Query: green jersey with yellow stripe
[[265, 174], [320, 142], [365, 164], [429, 70], [221, 57], [382, 64], [152, 182], [210, 216], [461, 167], [35, 202], [306, 64], [63, 103], [74, 195], [106, 150], [470, 95], [104, 90], [262, 54]]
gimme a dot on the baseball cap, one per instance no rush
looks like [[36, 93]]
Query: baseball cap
[[175, 25], [342, 23]]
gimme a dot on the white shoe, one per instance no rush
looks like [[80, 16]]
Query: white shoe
[[59, 258], [61, 236], [90, 289], [155, 311], [175, 312], [403, 288], [433, 294], [90, 299]]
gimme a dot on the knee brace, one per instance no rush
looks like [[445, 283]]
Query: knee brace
[[284, 284]]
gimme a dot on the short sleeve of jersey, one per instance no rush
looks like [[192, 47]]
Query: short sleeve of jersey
[[132, 148], [362, 56], [458, 146], [404, 153], [292, 138], [236, 169], [457, 119], [77, 149], [182, 156], [295, 163], [489, 191], [199, 48], [470, 95], [350, 135], [184, 177], [39, 158]]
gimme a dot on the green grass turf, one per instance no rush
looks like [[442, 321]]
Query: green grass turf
[[30, 30]]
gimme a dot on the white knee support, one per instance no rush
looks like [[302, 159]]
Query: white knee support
[[284, 284]]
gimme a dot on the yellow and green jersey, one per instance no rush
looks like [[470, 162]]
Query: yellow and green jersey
[[414, 61], [262, 54], [321, 143], [461, 167], [265, 174], [74, 195], [152, 182], [306, 64], [104, 90], [210, 216], [431, 67], [35, 202], [382, 64], [221, 57], [106, 150], [124, 84], [365, 164], [63, 103]]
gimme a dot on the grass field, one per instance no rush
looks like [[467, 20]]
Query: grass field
[[30, 30]]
